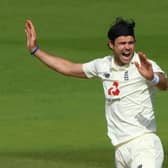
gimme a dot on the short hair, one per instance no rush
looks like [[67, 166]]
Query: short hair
[[121, 27]]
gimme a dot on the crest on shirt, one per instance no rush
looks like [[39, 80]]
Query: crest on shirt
[[140, 166], [126, 77]]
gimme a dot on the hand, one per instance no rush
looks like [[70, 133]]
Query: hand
[[145, 67], [31, 35]]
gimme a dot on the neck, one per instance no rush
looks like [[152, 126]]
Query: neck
[[118, 62]]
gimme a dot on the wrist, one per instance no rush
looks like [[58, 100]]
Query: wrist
[[155, 79], [34, 50]]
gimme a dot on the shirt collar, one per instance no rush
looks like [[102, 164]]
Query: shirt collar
[[116, 67]]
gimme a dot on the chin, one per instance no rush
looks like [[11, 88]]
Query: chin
[[124, 62]]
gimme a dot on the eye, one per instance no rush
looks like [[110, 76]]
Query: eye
[[131, 42], [122, 43]]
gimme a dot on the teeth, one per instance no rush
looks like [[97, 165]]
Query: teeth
[[126, 52]]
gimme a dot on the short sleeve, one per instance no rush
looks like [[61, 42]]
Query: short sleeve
[[90, 69], [97, 66]]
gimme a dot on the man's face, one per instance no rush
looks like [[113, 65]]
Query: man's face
[[123, 49]]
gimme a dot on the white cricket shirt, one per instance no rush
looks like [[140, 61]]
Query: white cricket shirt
[[128, 98]]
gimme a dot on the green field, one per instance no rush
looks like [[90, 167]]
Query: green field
[[51, 121]]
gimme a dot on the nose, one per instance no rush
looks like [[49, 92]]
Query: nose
[[127, 46]]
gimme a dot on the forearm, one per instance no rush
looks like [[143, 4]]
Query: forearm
[[56, 63], [59, 64]]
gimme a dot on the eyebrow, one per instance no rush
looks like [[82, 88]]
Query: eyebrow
[[129, 42]]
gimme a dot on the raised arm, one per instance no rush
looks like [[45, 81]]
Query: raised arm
[[59, 64], [145, 68]]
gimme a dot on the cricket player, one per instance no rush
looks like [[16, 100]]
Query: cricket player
[[129, 80]]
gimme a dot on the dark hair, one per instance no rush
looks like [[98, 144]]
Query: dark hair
[[121, 27]]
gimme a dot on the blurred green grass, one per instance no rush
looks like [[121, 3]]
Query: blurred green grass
[[48, 120]]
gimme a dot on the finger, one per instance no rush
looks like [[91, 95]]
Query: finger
[[30, 25], [142, 57], [27, 25], [137, 65], [31, 29], [27, 32]]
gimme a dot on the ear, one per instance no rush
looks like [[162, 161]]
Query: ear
[[110, 44]]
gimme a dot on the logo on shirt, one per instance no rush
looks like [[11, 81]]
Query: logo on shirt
[[114, 90], [106, 75], [126, 75], [140, 166]]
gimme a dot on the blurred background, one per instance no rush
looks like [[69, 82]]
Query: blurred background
[[48, 120]]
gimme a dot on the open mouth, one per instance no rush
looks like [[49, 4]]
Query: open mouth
[[126, 56], [126, 53]]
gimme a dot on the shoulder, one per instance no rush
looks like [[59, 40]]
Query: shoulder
[[105, 59], [155, 66], [103, 64], [94, 67], [100, 61]]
